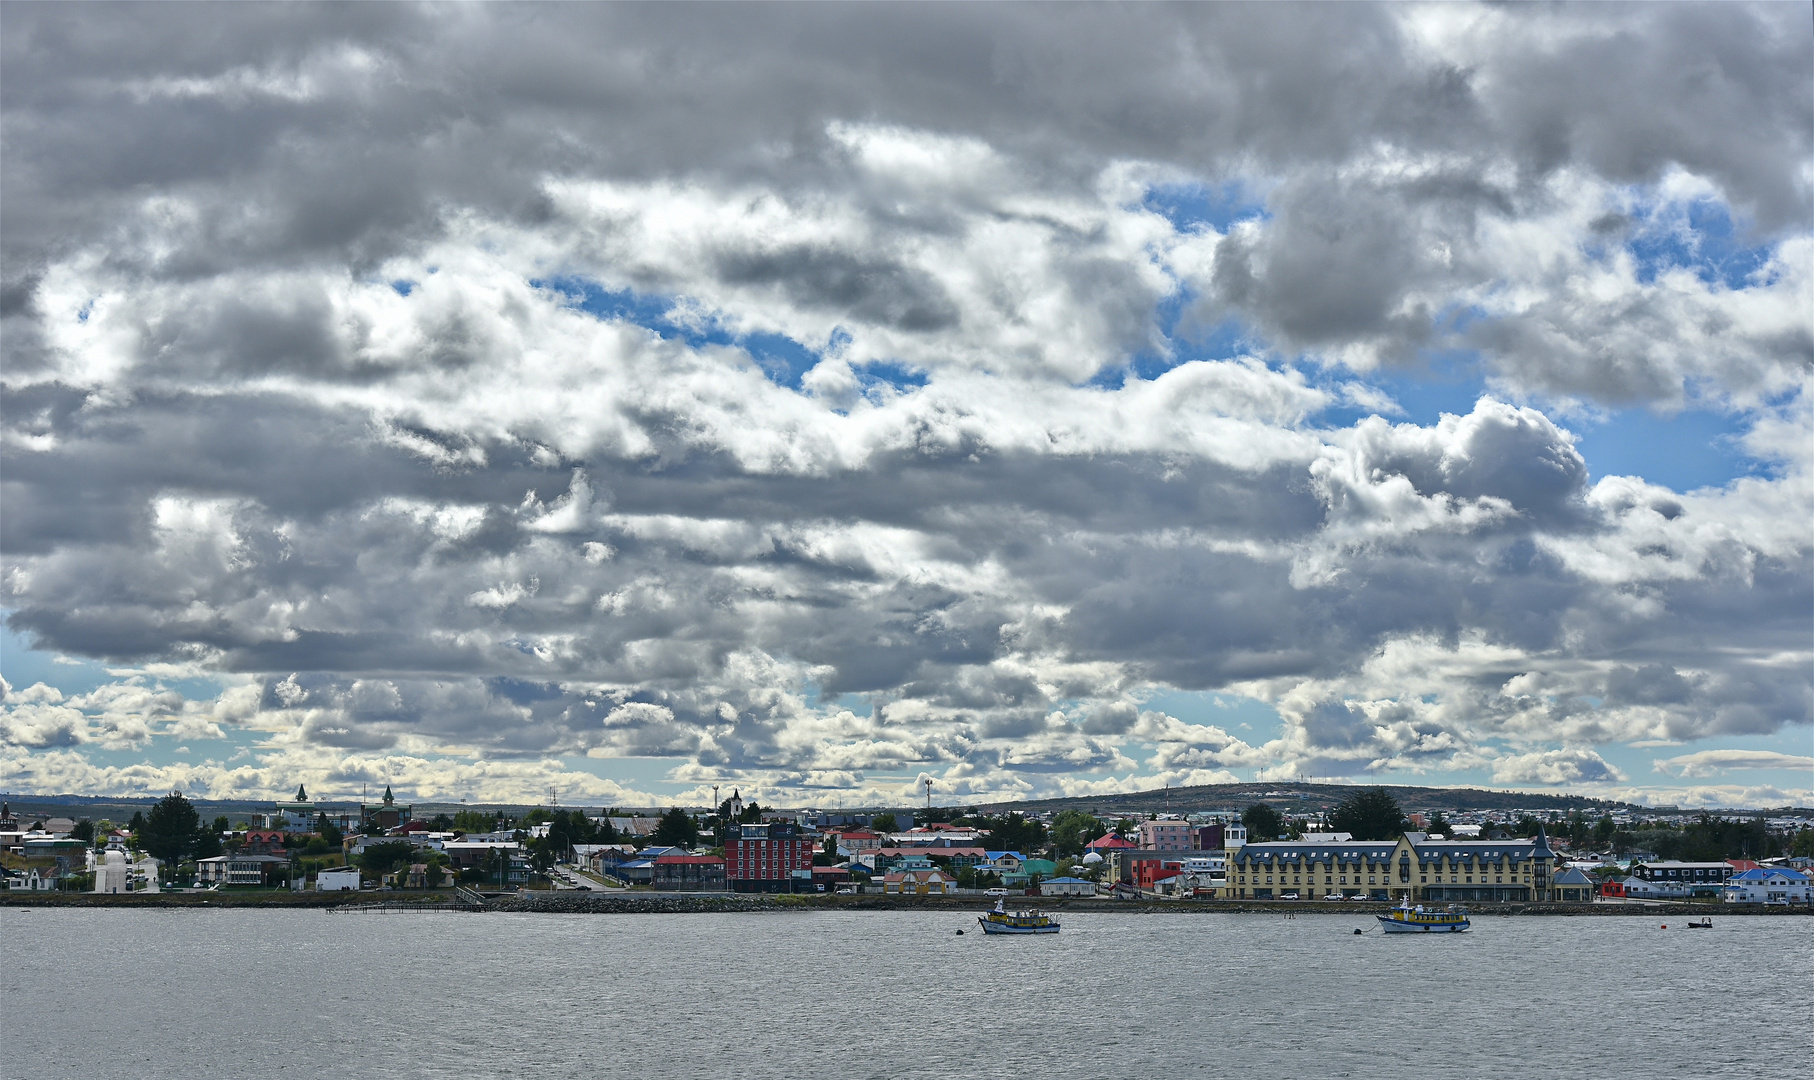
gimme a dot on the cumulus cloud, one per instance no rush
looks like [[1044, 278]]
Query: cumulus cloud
[[1715, 762], [954, 381]]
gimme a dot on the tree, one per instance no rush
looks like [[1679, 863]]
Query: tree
[[441, 823], [1802, 847], [1263, 823], [541, 854], [467, 822], [1604, 831], [170, 829], [380, 859], [1012, 832], [1438, 824], [567, 828], [676, 828], [884, 823], [325, 829], [1369, 815], [207, 845], [137, 824], [1577, 830], [1072, 829], [83, 831], [221, 824]]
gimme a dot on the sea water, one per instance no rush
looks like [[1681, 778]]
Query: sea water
[[238, 993]]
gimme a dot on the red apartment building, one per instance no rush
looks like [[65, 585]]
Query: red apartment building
[[775, 856]]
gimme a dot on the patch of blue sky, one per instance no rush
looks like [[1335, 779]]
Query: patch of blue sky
[[1689, 450], [1699, 235], [1192, 206], [1446, 381], [648, 774], [896, 376], [1184, 342], [403, 287], [782, 359], [1249, 719], [24, 666], [1640, 764]]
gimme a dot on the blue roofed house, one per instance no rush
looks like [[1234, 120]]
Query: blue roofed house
[[1571, 885], [1001, 862], [1067, 886], [1769, 885]]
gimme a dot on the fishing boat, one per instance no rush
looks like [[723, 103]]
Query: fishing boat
[[1003, 921], [1405, 919]]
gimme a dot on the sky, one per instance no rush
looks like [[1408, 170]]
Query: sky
[[608, 403]]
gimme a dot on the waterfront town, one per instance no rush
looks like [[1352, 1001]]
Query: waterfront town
[[1364, 847]]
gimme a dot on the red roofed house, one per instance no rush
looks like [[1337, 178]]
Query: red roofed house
[[882, 858], [263, 842], [918, 882], [851, 841], [1111, 842]]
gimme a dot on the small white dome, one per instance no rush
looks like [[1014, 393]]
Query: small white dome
[[1093, 857]]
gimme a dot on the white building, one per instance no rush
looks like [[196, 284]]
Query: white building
[[1206, 865], [1067, 886], [1768, 885], [344, 879]]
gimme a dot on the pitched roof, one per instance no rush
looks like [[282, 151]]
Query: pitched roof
[[1765, 873]]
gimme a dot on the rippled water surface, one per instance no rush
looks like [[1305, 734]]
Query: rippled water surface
[[239, 993]]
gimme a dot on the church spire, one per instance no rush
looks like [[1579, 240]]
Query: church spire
[[302, 793], [388, 799]]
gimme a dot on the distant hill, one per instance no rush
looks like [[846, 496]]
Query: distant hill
[[1305, 798]]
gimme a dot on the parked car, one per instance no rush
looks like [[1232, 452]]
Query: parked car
[[997, 892]]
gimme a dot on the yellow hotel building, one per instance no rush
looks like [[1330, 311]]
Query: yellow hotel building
[[1413, 868]]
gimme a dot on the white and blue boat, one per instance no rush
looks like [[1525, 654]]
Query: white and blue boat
[[1003, 921], [1405, 919]]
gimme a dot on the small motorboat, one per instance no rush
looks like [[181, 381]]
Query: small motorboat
[[1405, 919], [1003, 921], [1705, 924]]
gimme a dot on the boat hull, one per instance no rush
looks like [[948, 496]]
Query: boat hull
[[1000, 928], [1402, 926]]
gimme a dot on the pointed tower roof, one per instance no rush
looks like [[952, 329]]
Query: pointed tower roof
[[1542, 848], [388, 799], [302, 793]]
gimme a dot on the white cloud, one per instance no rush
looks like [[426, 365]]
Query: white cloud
[[1716, 762]]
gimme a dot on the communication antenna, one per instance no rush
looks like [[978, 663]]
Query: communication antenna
[[928, 783]]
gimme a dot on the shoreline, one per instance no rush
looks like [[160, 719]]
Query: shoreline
[[709, 903]]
